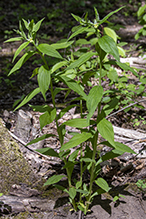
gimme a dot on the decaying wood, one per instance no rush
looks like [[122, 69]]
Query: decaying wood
[[128, 133]]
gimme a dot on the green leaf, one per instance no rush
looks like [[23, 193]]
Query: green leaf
[[72, 192], [73, 85], [14, 39], [76, 140], [141, 10], [24, 45], [21, 61], [108, 108], [40, 109], [77, 123], [109, 15], [54, 179], [108, 31], [127, 68], [36, 27], [121, 51], [62, 45], [77, 18], [28, 97], [47, 118], [112, 74], [40, 139], [79, 31], [49, 50], [58, 65], [43, 80], [58, 89], [93, 100], [78, 184], [122, 147], [123, 66], [83, 58], [105, 128], [48, 151], [65, 110], [74, 155], [109, 46], [102, 184]]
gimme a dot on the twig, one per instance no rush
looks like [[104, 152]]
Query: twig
[[125, 108], [80, 215], [24, 144]]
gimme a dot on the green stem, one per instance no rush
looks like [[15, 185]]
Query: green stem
[[92, 171], [70, 185]]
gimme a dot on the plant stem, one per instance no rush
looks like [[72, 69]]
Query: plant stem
[[92, 171]]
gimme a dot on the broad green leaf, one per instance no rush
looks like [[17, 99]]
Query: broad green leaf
[[28, 97], [109, 155], [48, 151], [123, 66], [112, 74], [109, 15], [127, 68], [36, 27], [82, 191], [24, 45], [141, 10], [41, 109], [58, 89], [74, 155], [43, 80], [14, 39], [122, 147], [40, 139], [83, 58], [47, 118], [49, 50], [77, 18], [121, 51], [102, 184], [73, 85], [108, 108], [58, 65], [109, 46], [76, 140], [72, 192], [35, 72], [77, 122], [62, 45], [96, 15], [82, 42], [93, 100], [65, 110], [78, 184], [61, 132], [26, 24], [21, 61], [79, 31], [108, 31], [105, 128], [54, 179]]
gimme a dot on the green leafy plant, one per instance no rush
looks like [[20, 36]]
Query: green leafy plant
[[141, 14], [76, 71], [141, 184], [139, 121]]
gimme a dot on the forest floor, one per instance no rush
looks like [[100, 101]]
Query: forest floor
[[12, 89]]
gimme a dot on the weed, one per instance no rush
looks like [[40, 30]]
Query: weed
[[76, 71]]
